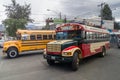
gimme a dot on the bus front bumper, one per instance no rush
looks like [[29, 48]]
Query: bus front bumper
[[58, 58]]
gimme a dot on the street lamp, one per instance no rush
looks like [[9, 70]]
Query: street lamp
[[59, 13]]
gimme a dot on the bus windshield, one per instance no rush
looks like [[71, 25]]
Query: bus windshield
[[68, 35]]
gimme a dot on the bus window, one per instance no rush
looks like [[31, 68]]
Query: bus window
[[87, 35], [32, 37], [25, 37], [39, 37], [90, 35], [54, 37], [50, 37], [44, 37], [93, 36], [97, 36]]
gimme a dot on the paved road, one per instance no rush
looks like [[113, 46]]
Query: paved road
[[34, 67]]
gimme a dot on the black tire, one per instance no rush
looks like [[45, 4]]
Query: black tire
[[50, 62], [103, 53], [12, 53], [118, 46], [75, 62]]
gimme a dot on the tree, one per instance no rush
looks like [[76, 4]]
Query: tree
[[106, 13], [17, 17], [13, 25]]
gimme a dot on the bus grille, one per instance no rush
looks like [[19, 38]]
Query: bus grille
[[53, 47]]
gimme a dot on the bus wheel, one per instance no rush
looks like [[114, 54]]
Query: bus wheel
[[50, 62], [118, 46], [12, 53], [75, 61], [103, 53]]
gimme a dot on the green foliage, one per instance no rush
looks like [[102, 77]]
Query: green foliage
[[18, 16], [106, 13], [13, 24]]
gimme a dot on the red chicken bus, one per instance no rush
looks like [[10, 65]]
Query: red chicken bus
[[76, 41]]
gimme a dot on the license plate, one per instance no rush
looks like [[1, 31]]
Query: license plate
[[53, 57]]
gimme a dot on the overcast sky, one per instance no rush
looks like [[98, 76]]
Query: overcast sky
[[70, 8]]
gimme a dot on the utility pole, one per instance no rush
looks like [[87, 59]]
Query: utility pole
[[65, 19], [60, 15]]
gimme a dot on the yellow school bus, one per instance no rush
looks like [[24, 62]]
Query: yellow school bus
[[28, 40]]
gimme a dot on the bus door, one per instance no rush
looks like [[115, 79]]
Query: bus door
[[86, 45], [86, 49]]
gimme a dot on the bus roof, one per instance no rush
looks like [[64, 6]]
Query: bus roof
[[34, 31], [94, 29], [77, 26]]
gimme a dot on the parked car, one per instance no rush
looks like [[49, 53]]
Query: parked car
[[1, 42]]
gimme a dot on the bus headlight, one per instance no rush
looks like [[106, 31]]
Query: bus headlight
[[66, 53]]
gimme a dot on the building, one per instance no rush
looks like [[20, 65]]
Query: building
[[96, 21]]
